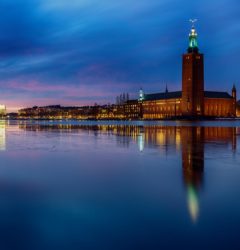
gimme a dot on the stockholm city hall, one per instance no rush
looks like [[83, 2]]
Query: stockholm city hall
[[193, 100]]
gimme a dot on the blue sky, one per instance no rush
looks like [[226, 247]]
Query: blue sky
[[85, 51]]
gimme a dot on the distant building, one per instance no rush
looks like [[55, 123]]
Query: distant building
[[2, 110]]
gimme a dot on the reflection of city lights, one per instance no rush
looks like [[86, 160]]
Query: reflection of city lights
[[189, 158], [178, 139], [2, 136], [161, 137], [193, 204], [141, 142]]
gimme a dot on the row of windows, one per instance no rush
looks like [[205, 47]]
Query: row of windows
[[158, 116], [175, 102], [218, 109], [160, 109]]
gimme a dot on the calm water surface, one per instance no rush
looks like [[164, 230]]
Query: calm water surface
[[109, 185]]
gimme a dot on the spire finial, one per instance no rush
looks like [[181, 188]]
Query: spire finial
[[193, 21]]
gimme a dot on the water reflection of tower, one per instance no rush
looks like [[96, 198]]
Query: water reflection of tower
[[193, 165], [2, 135], [234, 139]]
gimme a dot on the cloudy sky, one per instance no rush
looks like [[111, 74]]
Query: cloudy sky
[[77, 52]]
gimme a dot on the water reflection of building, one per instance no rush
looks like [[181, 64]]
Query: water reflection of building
[[2, 136], [165, 137], [141, 140], [192, 141], [192, 165], [124, 134]]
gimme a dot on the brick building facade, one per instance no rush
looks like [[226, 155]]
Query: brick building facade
[[193, 100]]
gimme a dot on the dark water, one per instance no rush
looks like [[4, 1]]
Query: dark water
[[165, 185]]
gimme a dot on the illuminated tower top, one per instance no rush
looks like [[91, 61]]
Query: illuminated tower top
[[193, 44], [141, 95]]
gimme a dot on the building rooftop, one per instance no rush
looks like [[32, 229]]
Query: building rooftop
[[178, 94], [163, 95], [216, 94]]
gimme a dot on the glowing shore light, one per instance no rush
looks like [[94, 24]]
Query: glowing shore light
[[2, 109]]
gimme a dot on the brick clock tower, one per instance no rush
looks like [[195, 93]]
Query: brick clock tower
[[193, 78]]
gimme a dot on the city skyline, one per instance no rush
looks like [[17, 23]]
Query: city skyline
[[56, 53]]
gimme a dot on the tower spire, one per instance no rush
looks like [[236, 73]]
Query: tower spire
[[193, 44], [166, 90], [141, 95], [234, 87], [234, 91]]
